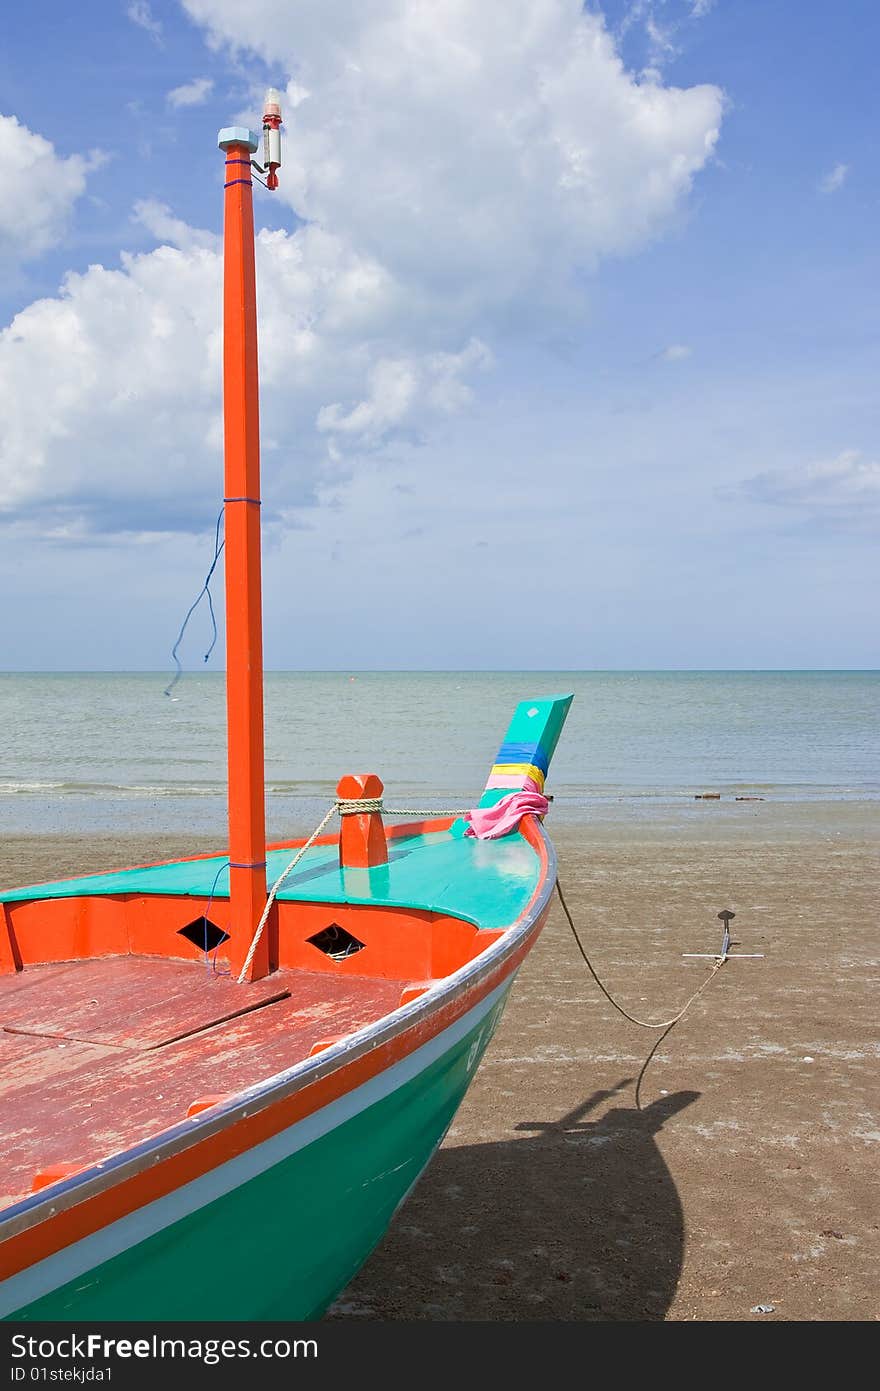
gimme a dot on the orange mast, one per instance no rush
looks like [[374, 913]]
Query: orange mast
[[244, 621]]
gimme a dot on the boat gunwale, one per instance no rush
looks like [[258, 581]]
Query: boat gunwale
[[451, 990], [427, 826]]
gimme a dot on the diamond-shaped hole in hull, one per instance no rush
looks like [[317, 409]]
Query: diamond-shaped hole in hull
[[335, 942], [204, 934]]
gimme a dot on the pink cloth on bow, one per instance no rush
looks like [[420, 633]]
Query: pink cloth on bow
[[490, 823]]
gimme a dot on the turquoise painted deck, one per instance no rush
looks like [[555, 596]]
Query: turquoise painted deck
[[485, 882]]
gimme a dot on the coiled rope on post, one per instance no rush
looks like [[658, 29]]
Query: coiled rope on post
[[353, 806], [642, 1023], [357, 806]]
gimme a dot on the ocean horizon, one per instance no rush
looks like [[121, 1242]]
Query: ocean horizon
[[109, 752]]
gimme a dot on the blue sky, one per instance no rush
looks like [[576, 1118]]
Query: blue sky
[[569, 331]]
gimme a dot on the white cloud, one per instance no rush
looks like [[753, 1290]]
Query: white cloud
[[38, 189], [835, 179], [393, 385], [483, 154], [844, 490], [675, 352], [139, 13], [663, 23], [117, 382], [191, 93], [661, 39], [458, 168], [161, 223]]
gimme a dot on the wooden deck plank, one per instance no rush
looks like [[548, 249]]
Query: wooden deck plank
[[27, 1064], [76, 1103], [128, 1002], [15, 987]]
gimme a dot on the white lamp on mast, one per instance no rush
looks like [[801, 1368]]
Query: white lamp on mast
[[272, 136]]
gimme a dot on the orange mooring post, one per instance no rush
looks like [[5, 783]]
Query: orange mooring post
[[244, 621], [362, 836]]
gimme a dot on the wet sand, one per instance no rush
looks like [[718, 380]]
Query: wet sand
[[744, 1171]]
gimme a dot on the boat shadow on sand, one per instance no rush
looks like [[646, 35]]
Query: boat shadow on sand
[[579, 1219]]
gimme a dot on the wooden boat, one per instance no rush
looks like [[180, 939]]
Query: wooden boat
[[214, 1101]]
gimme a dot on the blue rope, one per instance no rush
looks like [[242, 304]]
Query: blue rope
[[212, 965], [205, 590]]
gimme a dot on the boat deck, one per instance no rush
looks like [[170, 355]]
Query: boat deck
[[101, 1052], [484, 882], [96, 1056]]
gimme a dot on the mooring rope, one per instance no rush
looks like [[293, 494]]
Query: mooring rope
[[274, 889], [355, 806], [349, 806], [642, 1023]]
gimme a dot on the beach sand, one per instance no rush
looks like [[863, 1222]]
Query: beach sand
[[743, 1173]]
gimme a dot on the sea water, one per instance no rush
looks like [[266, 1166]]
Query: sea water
[[110, 753]]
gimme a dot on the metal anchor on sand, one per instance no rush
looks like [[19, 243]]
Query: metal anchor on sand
[[725, 917]]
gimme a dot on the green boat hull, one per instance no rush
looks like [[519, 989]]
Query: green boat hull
[[283, 1244]]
